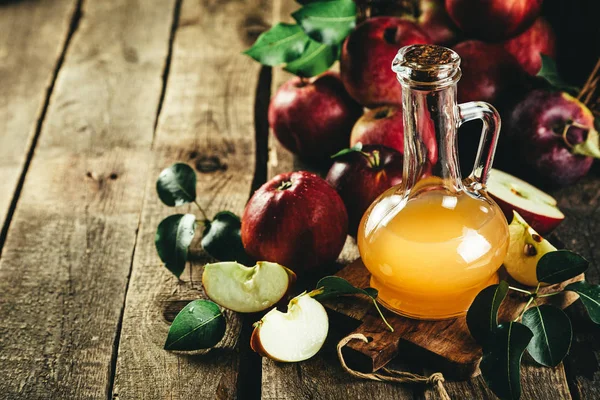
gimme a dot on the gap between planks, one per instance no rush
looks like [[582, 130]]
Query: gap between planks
[[74, 24]]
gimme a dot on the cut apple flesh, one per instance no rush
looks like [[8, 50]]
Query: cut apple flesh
[[524, 251], [246, 289], [293, 336], [535, 206]]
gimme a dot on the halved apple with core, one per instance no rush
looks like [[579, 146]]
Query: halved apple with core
[[293, 336], [513, 194], [246, 289], [524, 251]]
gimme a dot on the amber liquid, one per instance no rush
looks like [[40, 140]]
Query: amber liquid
[[429, 255]]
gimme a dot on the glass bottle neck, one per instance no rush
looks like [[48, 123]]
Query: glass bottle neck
[[430, 124]]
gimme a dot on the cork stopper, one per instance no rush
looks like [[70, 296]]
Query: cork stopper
[[426, 65]]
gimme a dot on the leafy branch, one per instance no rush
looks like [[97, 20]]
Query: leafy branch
[[543, 330], [221, 239], [311, 46]]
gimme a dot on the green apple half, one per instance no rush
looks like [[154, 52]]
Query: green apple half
[[246, 289], [293, 336], [524, 251]]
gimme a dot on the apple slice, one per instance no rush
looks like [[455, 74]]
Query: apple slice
[[293, 336], [524, 251], [513, 194], [246, 289]]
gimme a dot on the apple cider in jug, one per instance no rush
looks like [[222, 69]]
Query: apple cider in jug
[[434, 241]]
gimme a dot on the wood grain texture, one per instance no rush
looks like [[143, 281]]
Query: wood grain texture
[[67, 257], [33, 35], [580, 232], [445, 345], [207, 121]]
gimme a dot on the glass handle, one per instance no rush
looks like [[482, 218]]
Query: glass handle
[[489, 138]]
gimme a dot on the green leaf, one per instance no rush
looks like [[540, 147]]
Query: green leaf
[[176, 185], [482, 317], [501, 362], [199, 325], [589, 147], [357, 148], [279, 45], [327, 22], [333, 286], [550, 73], [590, 297], [173, 238], [222, 239], [316, 59], [558, 266], [552, 334]]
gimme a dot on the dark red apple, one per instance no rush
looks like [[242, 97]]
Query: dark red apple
[[489, 73], [432, 18], [553, 134], [493, 19], [367, 55], [527, 47], [313, 119], [383, 126], [360, 176], [296, 220], [535, 206]]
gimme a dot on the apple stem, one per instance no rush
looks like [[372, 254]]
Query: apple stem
[[520, 290], [381, 314], [524, 309], [549, 294], [586, 93], [285, 185], [201, 211], [373, 158]]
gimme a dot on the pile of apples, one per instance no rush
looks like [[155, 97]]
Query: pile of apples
[[301, 221], [548, 136]]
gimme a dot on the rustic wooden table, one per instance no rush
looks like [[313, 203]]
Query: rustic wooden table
[[96, 98]]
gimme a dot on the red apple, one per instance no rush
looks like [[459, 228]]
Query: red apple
[[432, 18], [493, 19], [489, 73], [535, 206], [527, 47], [383, 126], [553, 134], [313, 119], [367, 55], [360, 176], [296, 220]]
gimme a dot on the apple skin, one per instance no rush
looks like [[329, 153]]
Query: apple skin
[[489, 73], [367, 55], [382, 125], [493, 20], [358, 180], [313, 119], [534, 129], [540, 223], [527, 47], [301, 227], [435, 21]]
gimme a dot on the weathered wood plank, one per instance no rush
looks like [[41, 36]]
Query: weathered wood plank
[[67, 256], [207, 120], [33, 36], [580, 232]]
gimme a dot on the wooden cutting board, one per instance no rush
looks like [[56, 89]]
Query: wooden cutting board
[[444, 346]]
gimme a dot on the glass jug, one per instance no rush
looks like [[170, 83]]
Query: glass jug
[[434, 241]]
